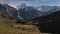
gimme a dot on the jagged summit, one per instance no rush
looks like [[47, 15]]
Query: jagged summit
[[23, 5]]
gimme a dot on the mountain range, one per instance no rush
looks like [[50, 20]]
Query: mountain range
[[26, 12]]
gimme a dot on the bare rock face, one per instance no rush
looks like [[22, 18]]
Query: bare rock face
[[8, 11]]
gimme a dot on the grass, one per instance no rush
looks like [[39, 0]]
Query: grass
[[8, 26]]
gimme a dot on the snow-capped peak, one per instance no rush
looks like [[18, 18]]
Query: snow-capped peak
[[39, 9], [13, 6]]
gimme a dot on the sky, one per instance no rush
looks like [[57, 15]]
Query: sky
[[33, 2]]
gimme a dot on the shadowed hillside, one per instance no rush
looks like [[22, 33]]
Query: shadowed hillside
[[49, 23]]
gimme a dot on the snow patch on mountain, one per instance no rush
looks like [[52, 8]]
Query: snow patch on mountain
[[13, 6]]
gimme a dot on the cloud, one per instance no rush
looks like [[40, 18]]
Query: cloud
[[29, 3], [33, 2], [44, 0]]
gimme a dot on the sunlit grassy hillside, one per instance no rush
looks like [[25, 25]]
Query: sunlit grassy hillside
[[8, 26]]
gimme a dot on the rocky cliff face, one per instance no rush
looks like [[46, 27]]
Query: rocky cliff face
[[8, 11], [12, 11], [28, 13]]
